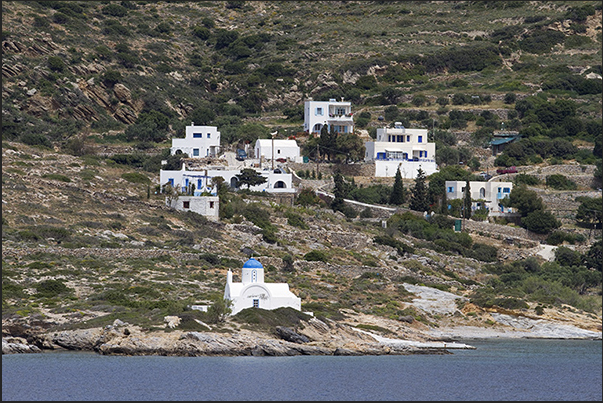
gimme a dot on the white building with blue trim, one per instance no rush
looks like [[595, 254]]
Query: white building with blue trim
[[286, 149], [489, 194], [253, 292], [277, 181], [408, 149], [200, 142], [331, 113]]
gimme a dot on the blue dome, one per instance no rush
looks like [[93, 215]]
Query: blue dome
[[252, 264]]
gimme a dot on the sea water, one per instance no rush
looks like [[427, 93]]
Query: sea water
[[498, 369]]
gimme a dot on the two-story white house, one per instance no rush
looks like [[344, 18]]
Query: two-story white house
[[489, 193], [277, 181], [200, 142], [331, 113], [398, 146], [287, 149]]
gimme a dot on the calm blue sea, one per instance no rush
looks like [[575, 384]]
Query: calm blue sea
[[507, 369]]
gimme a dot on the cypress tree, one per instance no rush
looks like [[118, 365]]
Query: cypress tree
[[397, 195], [467, 201], [419, 201]]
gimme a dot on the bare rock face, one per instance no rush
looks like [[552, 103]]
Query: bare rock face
[[17, 345], [122, 93], [288, 334]]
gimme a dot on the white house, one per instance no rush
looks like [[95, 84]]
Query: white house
[[200, 142], [253, 292], [287, 149], [207, 206], [336, 114], [491, 192], [277, 181], [396, 147]]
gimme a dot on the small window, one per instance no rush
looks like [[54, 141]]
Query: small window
[[400, 139], [506, 190], [278, 151], [450, 189], [420, 139], [195, 152], [318, 111], [425, 154], [256, 303], [499, 190], [463, 189], [209, 135], [197, 135], [211, 204], [171, 182], [186, 204], [408, 139]]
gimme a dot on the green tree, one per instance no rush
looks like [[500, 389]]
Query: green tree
[[219, 310], [250, 177], [540, 221], [350, 147], [397, 195], [327, 141], [467, 201], [589, 212], [221, 187], [525, 200], [339, 192], [419, 200]]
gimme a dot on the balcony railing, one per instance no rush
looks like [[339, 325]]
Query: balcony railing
[[405, 159]]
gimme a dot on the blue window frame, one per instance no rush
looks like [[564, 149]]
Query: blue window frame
[[318, 111], [199, 183], [450, 189], [408, 139], [506, 190], [420, 139], [209, 135], [171, 181], [197, 135], [195, 152]]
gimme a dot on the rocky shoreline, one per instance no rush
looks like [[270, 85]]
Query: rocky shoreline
[[316, 338], [124, 339]]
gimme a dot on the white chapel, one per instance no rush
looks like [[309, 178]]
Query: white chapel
[[252, 292]]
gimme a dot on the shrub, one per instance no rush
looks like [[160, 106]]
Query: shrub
[[111, 77], [529, 180], [51, 288], [296, 220], [201, 32], [316, 256], [560, 182], [540, 221], [135, 177], [115, 10], [57, 177]]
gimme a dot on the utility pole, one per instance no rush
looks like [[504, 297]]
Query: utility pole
[[316, 161], [273, 134]]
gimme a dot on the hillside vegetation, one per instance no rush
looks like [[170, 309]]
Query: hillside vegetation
[[93, 92]]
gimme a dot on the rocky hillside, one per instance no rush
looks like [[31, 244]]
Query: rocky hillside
[[93, 92], [84, 245], [97, 68]]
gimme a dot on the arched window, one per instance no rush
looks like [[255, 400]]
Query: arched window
[[234, 183], [280, 185], [482, 193]]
